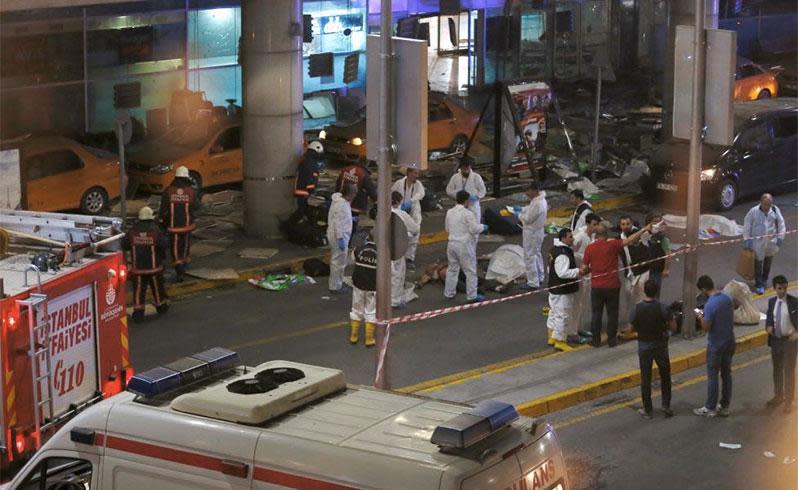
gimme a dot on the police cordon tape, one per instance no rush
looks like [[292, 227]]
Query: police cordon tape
[[379, 377]]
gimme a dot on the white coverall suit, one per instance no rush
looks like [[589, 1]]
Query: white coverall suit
[[414, 193], [474, 185], [339, 226], [399, 267], [561, 306], [533, 219], [582, 300], [461, 251]]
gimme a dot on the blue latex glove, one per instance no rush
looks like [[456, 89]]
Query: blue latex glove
[[355, 219], [484, 228], [407, 206], [779, 241], [473, 198], [517, 209], [748, 245], [341, 244]]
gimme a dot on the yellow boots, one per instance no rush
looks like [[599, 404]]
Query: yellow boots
[[549, 337], [562, 346], [354, 333]]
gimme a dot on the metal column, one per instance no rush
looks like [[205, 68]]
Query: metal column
[[385, 158], [272, 127]]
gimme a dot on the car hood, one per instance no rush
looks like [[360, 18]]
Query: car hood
[[668, 154], [348, 129], [156, 153]]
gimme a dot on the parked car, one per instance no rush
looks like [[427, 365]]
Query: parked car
[[449, 127], [210, 150], [58, 174], [752, 81], [762, 158]]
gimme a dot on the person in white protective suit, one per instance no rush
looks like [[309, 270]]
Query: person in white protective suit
[[563, 272], [412, 192], [582, 238], [467, 180], [461, 251], [763, 219], [582, 208], [339, 231], [533, 220], [399, 266]]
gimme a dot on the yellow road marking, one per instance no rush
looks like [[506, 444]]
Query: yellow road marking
[[291, 335], [634, 401]]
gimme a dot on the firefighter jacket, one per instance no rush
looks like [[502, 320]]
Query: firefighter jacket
[[178, 205], [147, 244], [307, 174], [360, 177], [364, 277]]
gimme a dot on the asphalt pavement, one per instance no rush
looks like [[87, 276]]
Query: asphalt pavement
[[307, 324], [608, 445]]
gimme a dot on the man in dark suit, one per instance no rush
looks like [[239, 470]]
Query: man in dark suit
[[782, 328]]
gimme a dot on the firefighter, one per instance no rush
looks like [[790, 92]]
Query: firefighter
[[307, 175], [178, 205], [147, 244], [364, 292], [358, 175]]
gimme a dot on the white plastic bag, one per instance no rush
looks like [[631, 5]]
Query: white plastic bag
[[746, 313]]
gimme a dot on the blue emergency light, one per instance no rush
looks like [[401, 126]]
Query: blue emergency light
[[470, 427], [182, 372]]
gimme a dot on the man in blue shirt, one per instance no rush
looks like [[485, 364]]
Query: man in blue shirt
[[718, 321]]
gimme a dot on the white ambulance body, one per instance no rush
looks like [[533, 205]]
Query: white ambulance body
[[288, 425]]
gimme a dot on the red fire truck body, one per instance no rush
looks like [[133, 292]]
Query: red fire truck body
[[63, 346]]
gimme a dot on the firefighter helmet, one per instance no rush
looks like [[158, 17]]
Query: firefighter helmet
[[181, 172], [146, 213], [316, 146]]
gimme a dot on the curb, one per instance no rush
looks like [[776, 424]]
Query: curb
[[178, 290], [630, 379]]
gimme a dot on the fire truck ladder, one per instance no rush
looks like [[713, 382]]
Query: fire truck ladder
[[41, 366]]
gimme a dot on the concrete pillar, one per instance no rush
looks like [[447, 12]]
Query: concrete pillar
[[271, 57], [681, 13]]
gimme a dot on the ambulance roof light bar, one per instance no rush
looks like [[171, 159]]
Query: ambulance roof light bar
[[183, 372], [470, 427]]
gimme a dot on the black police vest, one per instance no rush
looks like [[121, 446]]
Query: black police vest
[[554, 280]]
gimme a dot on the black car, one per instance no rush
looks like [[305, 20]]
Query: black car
[[762, 158]]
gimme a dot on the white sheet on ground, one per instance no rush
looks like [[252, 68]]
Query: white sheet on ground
[[506, 264], [724, 226]]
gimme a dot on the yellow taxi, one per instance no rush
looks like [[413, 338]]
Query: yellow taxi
[[752, 81], [210, 150], [58, 174]]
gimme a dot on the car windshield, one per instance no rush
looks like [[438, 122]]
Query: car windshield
[[192, 136]]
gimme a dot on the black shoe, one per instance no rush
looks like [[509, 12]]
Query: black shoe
[[138, 316], [594, 343], [573, 339], [612, 343], [774, 402], [667, 411], [582, 333], [162, 309], [645, 414]]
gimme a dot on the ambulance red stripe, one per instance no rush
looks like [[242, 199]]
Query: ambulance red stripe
[[212, 463]]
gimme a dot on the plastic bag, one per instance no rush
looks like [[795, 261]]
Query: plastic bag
[[746, 312], [278, 282], [745, 264]]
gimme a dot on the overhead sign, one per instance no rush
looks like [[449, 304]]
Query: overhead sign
[[720, 61], [410, 90], [10, 187]]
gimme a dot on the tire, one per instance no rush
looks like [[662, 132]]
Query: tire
[[764, 94], [196, 182], [727, 195], [94, 201], [459, 144]]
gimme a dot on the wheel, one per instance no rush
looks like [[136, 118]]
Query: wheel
[[459, 144], [94, 201], [196, 182], [727, 195], [764, 94]]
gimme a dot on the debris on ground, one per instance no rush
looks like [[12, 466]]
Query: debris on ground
[[213, 274], [279, 282], [788, 460], [730, 445], [203, 249], [769, 455], [588, 187], [258, 253]]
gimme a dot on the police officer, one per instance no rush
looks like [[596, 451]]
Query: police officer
[[359, 176], [307, 175], [364, 299], [178, 205], [147, 244]]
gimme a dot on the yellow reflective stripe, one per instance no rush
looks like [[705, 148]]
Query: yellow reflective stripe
[[12, 396]]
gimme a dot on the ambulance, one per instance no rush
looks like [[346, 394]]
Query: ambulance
[[205, 422], [63, 326]]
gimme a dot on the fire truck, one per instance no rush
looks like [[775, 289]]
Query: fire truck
[[63, 324]]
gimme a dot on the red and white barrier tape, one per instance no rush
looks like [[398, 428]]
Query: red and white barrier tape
[[426, 315]]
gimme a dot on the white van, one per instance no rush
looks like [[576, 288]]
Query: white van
[[203, 422]]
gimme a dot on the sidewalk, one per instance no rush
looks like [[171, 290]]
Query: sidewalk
[[289, 257], [557, 381]]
